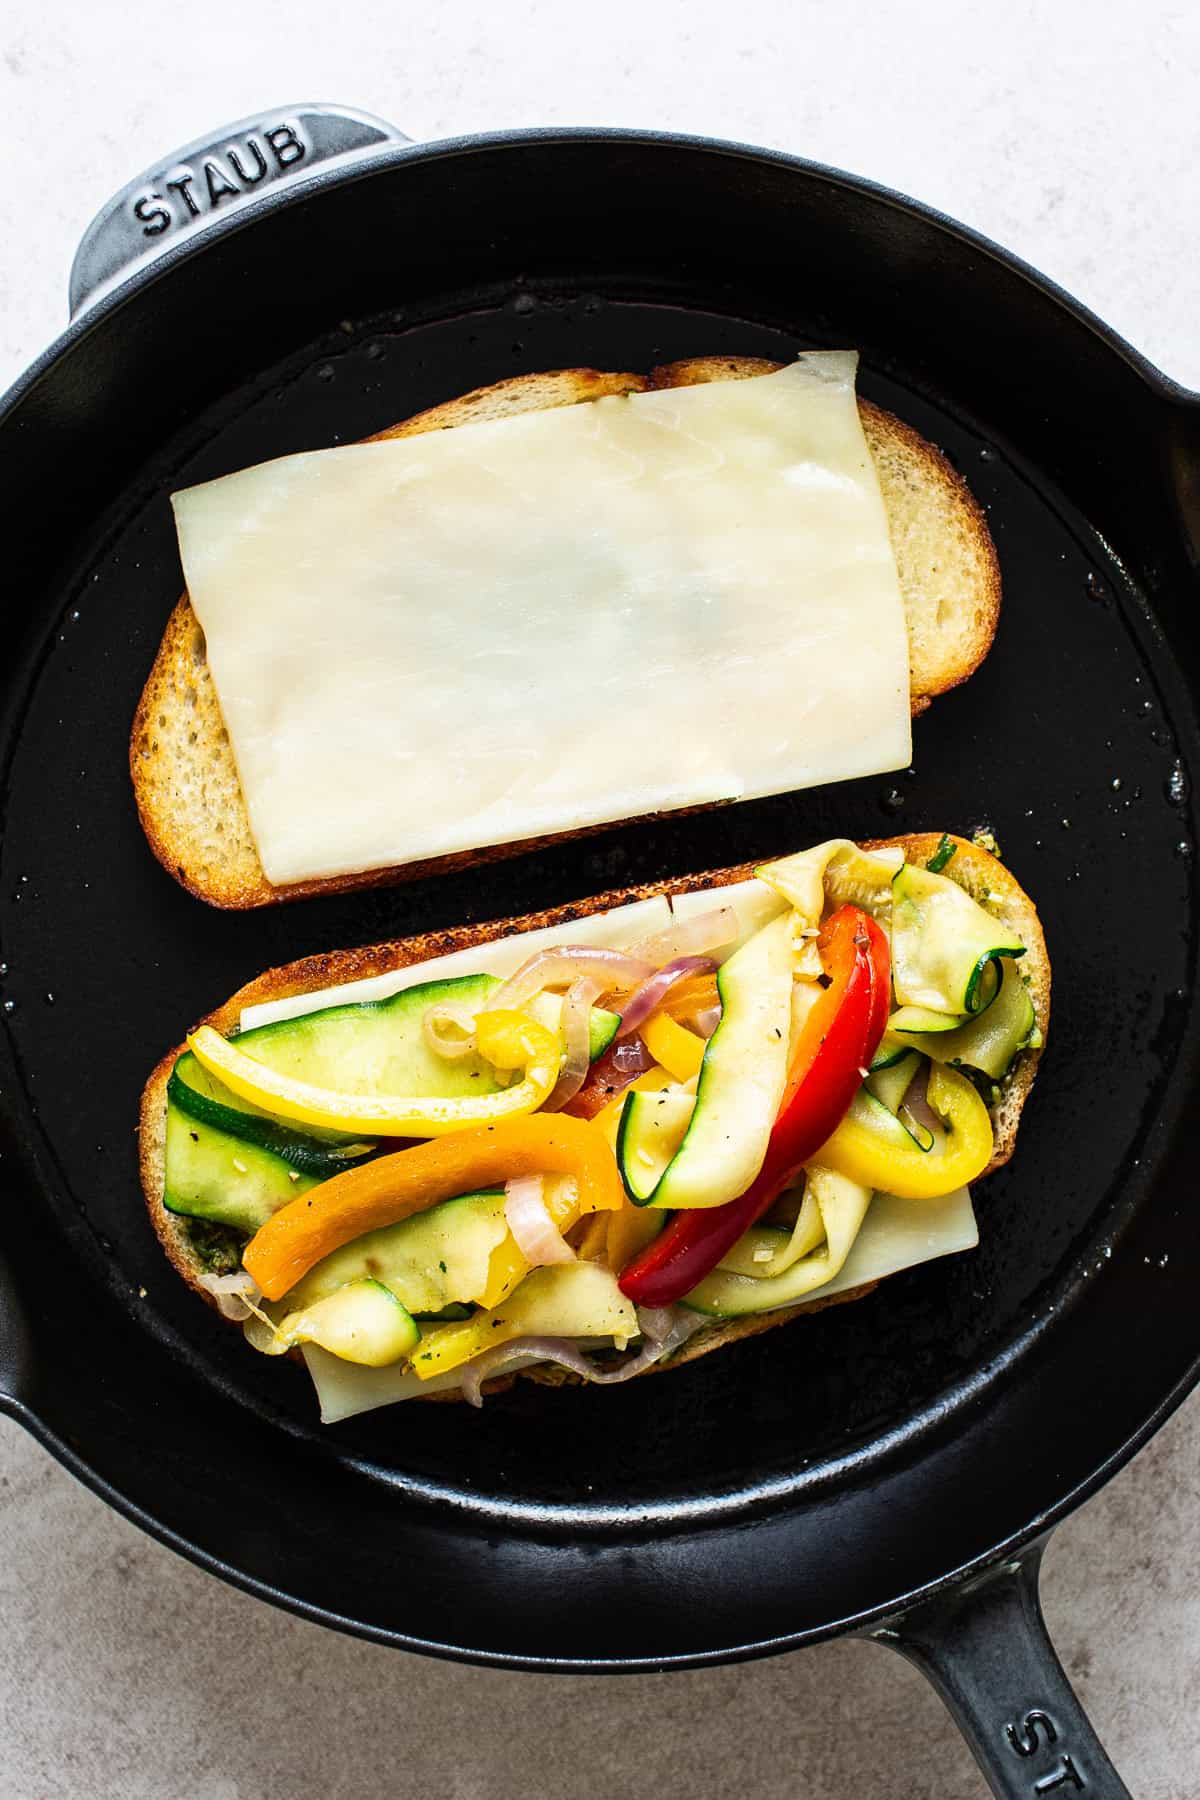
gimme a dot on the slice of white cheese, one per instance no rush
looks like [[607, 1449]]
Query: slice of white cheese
[[542, 623], [754, 903], [899, 1234]]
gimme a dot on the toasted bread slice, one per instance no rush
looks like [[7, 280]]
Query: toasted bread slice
[[185, 780], [981, 874]]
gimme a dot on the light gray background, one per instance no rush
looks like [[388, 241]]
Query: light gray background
[[1070, 132]]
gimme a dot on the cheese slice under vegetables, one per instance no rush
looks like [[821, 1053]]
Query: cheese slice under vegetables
[[537, 624], [895, 1235]]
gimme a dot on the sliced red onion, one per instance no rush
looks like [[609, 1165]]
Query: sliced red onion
[[449, 1030], [649, 997], [237, 1296], [538, 1237], [707, 1020], [690, 937], [526, 1350], [916, 1103], [562, 966], [657, 1343], [629, 1060], [657, 1322], [614, 1072], [577, 1040]]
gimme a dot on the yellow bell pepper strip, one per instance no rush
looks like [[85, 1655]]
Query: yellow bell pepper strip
[[506, 1038], [572, 1299], [592, 1242], [678, 1050], [860, 1154], [609, 1117], [615, 1238], [631, 1231], [393, 1188]]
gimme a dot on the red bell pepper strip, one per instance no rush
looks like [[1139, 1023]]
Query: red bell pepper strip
[[838, 1040]]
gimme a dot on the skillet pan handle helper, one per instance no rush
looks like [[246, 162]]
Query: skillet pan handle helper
[[985, 1648], [214, 181]]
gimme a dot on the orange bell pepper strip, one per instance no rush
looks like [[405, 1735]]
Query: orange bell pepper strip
[[410, 1181], [697, 994], [615, 1238], [678, 1050]]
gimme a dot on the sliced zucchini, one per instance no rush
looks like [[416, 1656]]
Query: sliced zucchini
[[436, 1259], [890, 1084], [837, 1209], [765, 1251], [990, 1040], [205, 1096], [201, 1096], [362, 1323], [210, 1175], [729, 1294], [942, 943], [569, 1300], [834, 874], [892, 1128], [891, 1050], [755, 1250], [945, 851], [379, 1047], [603, 1026], [907, 1019], [650, 1131], [741, 1081]]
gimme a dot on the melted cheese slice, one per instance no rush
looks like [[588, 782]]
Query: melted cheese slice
[[547, 622]]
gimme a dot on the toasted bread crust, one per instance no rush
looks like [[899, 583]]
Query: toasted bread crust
[[185, 780], [975, 869]]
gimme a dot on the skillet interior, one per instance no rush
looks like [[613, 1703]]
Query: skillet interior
[[1074, 742]]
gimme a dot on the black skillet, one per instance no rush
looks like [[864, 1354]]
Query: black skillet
[[889, 1468]]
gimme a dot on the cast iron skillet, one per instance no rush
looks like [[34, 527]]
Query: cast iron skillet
[[889, 1468]]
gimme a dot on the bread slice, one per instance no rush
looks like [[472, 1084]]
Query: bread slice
[[185, 780], [982, 875]]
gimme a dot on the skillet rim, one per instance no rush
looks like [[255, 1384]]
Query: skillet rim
[[301, 188], [853, 1624]]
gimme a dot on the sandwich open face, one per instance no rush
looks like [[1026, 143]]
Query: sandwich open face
[[593, 1143], [677, 547]]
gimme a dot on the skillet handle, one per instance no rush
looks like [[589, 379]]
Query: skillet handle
[[197, 189], [985, 1648]]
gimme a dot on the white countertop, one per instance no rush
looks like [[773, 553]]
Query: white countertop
[[123, 1670]]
